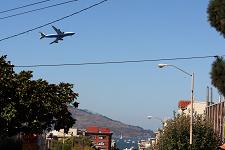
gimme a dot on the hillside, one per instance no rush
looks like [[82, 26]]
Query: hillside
[[86, 118]]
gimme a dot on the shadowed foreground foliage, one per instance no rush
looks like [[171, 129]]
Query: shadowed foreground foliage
[[72, 143], [10, 144], [32, 106], [216, 15], [218, 75]]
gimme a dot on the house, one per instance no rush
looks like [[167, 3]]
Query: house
[[61, 134], [184, 106], [146, 144], [100, 137]]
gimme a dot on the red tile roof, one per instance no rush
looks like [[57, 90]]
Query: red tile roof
[[182, 104]]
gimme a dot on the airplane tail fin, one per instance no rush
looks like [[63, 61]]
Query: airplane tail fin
[[42, 35]]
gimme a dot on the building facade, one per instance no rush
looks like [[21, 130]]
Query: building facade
[[100, 137], [61, 134], [147, 144], [215, 114]]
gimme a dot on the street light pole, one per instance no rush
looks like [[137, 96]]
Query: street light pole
[[192, 97], [192, 101]]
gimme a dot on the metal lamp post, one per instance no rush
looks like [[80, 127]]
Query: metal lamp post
[[161, 145], [192, 95]]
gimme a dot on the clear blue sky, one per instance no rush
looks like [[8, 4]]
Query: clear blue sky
[[119, 30]]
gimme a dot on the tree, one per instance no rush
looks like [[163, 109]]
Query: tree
[[218, 75], [175, 134], [32, 106], [216, 15]]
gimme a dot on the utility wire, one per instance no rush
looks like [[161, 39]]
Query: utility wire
[[118, 62], [8, 10], [42, 8], [15, 35]]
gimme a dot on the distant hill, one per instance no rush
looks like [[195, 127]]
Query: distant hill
[[86, 118]]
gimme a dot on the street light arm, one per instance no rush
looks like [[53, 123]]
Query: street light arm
[[165, 65], [181, 70], [150, 117], [159, 119]]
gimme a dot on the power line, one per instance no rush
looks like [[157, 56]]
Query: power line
[[117, 62], [15, 35], [8, 10], [42, 8]]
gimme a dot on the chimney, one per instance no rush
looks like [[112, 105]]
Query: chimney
[[207, 96], [211, 96]]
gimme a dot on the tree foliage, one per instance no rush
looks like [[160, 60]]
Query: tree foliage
[[218, 75], [32, 106], [216, 15], [176, 133]]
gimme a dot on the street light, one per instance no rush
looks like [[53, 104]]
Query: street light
[[150, 117], [192, 94], [159, 131]]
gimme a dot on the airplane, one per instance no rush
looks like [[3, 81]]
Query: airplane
[[59, 36]]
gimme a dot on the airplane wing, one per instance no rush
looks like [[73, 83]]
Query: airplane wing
[[55, 41], [57, 30]]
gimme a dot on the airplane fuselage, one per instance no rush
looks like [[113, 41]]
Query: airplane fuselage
[[59, 35]]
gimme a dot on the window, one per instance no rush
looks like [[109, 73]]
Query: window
[[101, 143], [101, 137]]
